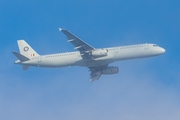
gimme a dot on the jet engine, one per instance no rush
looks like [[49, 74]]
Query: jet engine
[[110, 70], [99, 53]]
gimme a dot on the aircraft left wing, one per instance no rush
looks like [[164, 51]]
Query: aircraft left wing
[[78, 43]]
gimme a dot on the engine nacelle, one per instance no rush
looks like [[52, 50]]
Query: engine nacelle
[[110, 70], [99, 53]]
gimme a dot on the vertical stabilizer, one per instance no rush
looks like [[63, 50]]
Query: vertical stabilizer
[[26, 50]]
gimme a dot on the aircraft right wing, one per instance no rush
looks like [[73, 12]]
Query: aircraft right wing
[[95, 76], [96, 72]]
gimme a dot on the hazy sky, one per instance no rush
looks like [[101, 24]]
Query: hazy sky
[[144, 89]]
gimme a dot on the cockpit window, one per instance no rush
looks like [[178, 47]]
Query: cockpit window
[[155, 45]]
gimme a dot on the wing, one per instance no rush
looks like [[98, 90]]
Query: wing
[[78, 43], [96, 72], [95, 76]]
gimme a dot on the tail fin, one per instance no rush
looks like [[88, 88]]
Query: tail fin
[[26, 50]]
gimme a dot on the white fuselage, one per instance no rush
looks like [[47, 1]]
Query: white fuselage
[[114, 54]]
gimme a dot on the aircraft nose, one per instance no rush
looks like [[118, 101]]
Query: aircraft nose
[[162, 50]]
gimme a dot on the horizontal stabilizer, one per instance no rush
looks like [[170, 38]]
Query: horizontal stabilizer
[[25, 67], [20, 57]]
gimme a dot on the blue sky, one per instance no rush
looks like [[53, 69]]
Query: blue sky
[[143, 89]]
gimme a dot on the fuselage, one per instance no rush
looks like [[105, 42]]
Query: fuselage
[[113, 54]]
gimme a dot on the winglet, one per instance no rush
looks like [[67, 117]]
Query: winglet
[[60, 29]]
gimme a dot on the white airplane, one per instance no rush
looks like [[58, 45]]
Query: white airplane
[[97, 60]]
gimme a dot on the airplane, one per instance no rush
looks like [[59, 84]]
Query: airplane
[[96, 59]]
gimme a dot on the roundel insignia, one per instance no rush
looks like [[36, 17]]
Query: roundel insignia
[[26, 49]]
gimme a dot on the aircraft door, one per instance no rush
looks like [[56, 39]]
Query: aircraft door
[[116, 50], [146, 46], [39, 59]]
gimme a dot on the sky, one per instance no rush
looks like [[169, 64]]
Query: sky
[[143, 89]]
